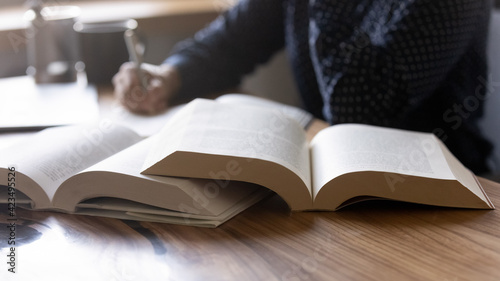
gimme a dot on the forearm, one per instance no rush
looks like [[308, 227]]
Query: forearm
[[221, 54]]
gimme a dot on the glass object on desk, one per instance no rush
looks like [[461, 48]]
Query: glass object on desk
[[52, 44], [103, 48]]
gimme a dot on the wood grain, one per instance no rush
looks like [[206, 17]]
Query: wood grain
[[377, 240]]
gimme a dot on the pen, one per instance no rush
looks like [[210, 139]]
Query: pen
[[132, 46]]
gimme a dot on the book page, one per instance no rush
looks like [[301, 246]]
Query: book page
[[302, 117], [346, 148], [209, 127], [144, 125], [463, 175], [118, 177], [53, 155]]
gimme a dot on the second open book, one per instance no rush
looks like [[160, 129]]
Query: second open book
[[341, 165]]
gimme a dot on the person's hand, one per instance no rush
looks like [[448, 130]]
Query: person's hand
[[162, 83]]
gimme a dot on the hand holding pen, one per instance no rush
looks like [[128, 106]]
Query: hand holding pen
[[144, 88], [135, 52]]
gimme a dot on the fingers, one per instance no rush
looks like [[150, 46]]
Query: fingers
[[125, 80], [157, 95], [126, 75], [162, 83], [130, 92]]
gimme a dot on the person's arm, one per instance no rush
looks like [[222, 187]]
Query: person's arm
[[376, 62], [218, 56], [213, 61]]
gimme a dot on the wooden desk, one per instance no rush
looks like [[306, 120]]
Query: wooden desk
[[368, 241]]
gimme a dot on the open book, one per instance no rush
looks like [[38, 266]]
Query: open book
[[95, 170], [341, 165]]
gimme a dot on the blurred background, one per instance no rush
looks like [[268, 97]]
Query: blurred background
[[161, 24]]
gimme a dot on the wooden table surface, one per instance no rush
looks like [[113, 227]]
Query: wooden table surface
[[377, 240]]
